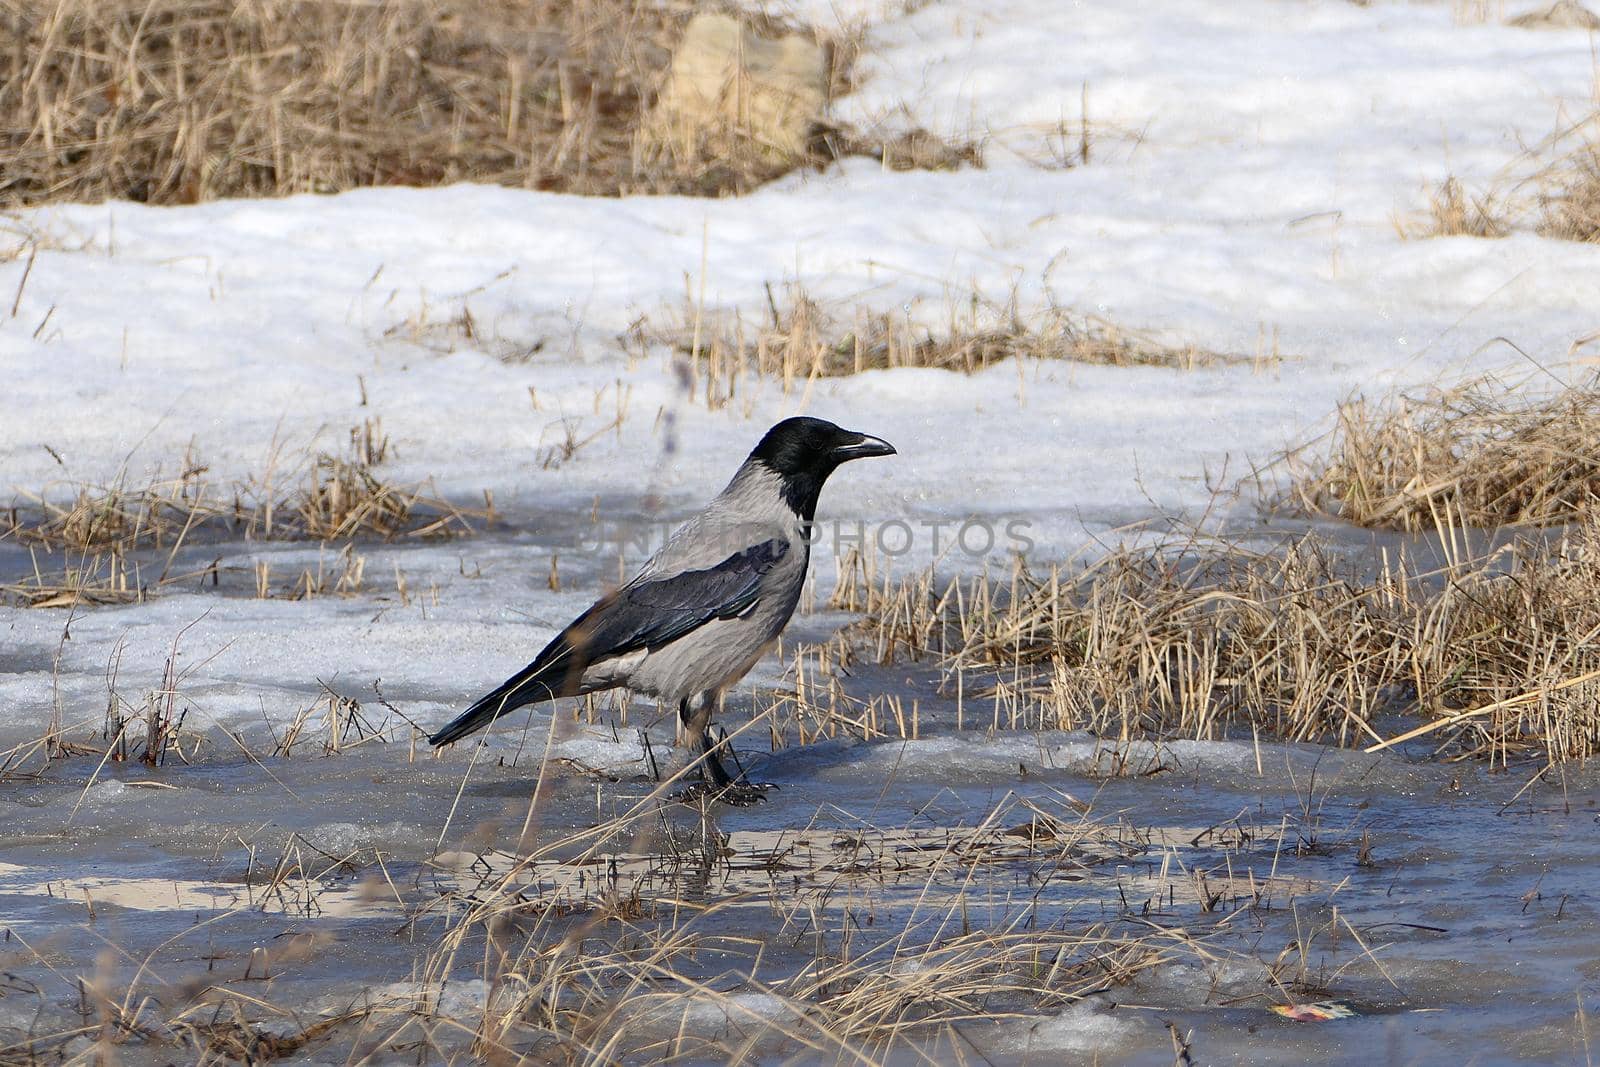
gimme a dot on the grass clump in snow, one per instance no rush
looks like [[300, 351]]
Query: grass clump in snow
[[1193, 639], [114, 516], [1561, 15], [1558, 194], [914, 149], [338, 497], [1484, 453], [1571, 190], [343, 498], [806, 341], [1455, 212]]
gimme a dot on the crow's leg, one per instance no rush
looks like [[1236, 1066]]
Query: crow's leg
[[743, 791], [694, 737]]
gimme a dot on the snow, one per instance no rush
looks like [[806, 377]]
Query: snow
[[1252, 161]]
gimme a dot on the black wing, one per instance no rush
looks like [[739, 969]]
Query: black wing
[[640, 615]]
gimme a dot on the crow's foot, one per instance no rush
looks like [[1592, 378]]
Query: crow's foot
[[739, 794]]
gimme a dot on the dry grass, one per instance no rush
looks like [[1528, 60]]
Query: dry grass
[[1454, 212], [603, 945], [106, 577], [181, 101], [1196, 639], [333, 722], [915, 149], [1485, 453], [689, 969], [1477, 12], [1552, 188], [110, 544], [1570, 186], [114, 516], [1561, 15], [344, 498], [805, 341], [334, 498]]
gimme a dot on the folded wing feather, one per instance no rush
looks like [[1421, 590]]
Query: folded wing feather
[[645, 614]]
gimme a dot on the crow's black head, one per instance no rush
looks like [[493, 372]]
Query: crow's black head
[[804, 451]]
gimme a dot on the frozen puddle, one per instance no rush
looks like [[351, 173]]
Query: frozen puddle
[[929, 868], [815, 867], [188, 896], [1425, 913]]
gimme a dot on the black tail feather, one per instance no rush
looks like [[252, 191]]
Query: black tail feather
[[528, 686]]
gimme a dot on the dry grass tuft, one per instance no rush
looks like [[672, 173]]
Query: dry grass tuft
[[1553, 187], [1194, 639], [114, 516], [1454, 212], [806, 341], [914, 149], [1485, 453], [1570, 196], [1561, 15], [338, 498], [343, 498]]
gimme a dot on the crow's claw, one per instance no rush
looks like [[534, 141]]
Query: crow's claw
[[739, 794]]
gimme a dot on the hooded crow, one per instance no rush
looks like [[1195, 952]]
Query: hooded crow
[[703, 609]]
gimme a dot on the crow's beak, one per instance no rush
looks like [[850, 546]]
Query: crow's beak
[[862, 448]]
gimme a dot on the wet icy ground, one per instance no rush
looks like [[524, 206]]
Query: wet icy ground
[[1479, 924], [1452, 909]]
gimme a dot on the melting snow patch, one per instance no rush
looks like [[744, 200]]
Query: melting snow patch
[[457, 1000], [1084, 1027], [715, 1015], [101, 792]]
